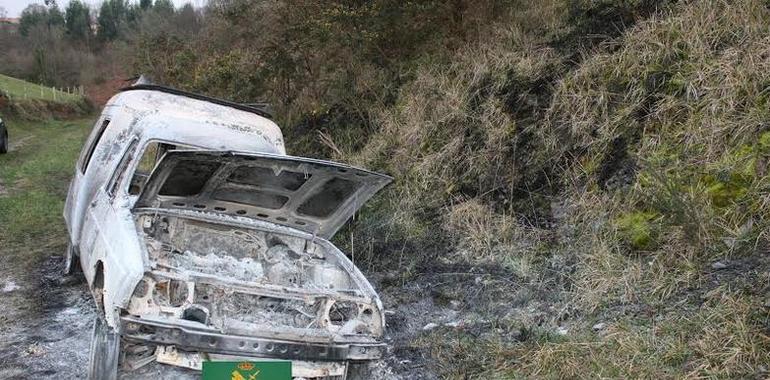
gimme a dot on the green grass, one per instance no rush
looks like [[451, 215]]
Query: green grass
[[34, 177], [18, 89]]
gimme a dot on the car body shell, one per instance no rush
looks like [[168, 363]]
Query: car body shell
[[99, 208]]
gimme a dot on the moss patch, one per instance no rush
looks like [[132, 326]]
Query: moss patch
[[639, 229]]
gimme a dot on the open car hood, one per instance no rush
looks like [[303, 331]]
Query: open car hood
[[311, 195]]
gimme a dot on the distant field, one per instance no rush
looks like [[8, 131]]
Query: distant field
[[18, 89]]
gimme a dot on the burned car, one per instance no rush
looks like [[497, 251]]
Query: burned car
[[201, 239]]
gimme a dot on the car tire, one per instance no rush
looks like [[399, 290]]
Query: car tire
[[105, 351], [71, 261], [4, 143]]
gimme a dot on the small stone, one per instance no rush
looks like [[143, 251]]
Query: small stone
[[10, 286], [454, 324], [35, 349], [718, 265], [561, 330], [599, 326], [429, 326]]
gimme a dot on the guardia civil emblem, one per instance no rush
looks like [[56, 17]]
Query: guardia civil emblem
[[245, 371]]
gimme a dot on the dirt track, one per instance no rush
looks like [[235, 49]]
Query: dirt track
[[48, 333]]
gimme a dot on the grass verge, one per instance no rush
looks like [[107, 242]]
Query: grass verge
[[34, 178]]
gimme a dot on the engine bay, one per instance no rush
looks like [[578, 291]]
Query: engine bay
[[245, 280]]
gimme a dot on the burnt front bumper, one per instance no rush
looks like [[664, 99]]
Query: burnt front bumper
[[192, 338]]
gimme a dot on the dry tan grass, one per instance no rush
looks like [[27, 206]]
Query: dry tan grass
[[717, 62], [725, 338], [731, 339], [448, 141], [714, 114], [685, 96], [484, 236]]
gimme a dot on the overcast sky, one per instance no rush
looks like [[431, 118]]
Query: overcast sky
[[14, 7]]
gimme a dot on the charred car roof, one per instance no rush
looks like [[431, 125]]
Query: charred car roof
[[150, 113], [261, 110]]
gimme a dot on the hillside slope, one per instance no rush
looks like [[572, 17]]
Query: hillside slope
[[31, 101], [580, 186], [612, 212], [19, 89]]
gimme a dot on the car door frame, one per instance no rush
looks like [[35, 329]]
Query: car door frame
[[78, 196]]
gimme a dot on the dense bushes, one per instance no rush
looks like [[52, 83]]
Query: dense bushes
[[324, 66]]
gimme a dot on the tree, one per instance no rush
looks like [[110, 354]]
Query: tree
[[32, 15], [47, 15], [55, 16], [164, 7], [108, 28], [133, 15], [145, 4], [186, 19], [112, 17], [77, 19]]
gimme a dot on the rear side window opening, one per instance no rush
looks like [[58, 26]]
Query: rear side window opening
[[92, 147], [122, 169], [153, 152]]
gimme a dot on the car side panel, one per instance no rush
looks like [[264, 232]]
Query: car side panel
[[84, 185], [110, 231]]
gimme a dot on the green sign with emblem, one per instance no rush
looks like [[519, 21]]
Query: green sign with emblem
[[262, 370]]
